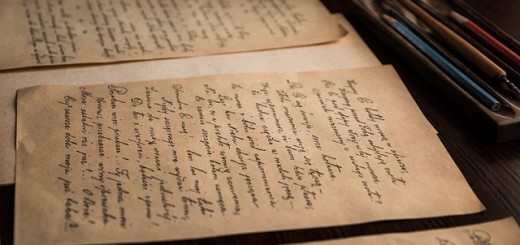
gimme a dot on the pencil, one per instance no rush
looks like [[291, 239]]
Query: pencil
[[485, 37], [391, 9], [463, 80], [462, 47]]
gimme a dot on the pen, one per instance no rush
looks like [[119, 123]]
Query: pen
[[391, 9], [464, 81], [465, 9], [473, 55], [485, 37]]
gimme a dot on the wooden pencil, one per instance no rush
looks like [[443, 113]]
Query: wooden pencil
[[485, 37], [461, 46]]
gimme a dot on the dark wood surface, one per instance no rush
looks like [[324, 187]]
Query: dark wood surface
[[492, 170]]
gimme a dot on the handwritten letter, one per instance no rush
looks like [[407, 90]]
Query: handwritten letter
[[204, 156], [348, 52], [51, 32]]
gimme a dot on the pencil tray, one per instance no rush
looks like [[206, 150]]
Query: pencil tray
[[497, 126]]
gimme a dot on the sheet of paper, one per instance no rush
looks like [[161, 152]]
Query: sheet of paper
[[204, 156], [50, 32], [504, 231], [349, 51]]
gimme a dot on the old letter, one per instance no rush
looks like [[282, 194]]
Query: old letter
[[52, 32], [505, 232], [348, 52], [198, 157]]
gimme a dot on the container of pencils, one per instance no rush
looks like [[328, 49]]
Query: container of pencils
[[469, 60]]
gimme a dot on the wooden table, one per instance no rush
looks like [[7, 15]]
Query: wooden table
[[493, 171]]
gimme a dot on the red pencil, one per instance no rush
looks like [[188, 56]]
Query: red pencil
[[485, 37]]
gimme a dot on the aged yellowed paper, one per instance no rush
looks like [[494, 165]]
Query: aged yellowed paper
[[204, 156], [50, 32], [503, 232], [349, 51]]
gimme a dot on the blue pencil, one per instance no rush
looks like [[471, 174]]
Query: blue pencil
[[463, 80]]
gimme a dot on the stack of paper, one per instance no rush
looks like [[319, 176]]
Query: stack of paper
[[313, 132]]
